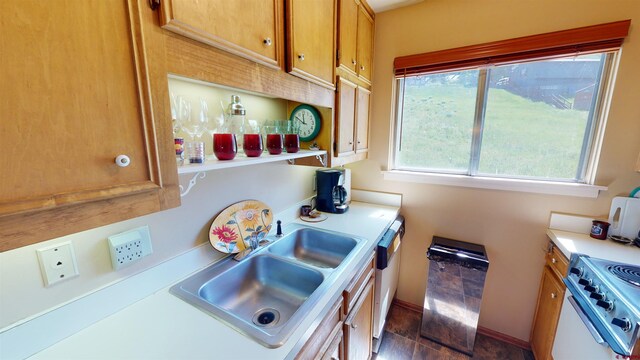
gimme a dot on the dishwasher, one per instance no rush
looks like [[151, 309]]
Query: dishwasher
[[387, 272]]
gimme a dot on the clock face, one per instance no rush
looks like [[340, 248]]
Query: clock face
[[307, 120]]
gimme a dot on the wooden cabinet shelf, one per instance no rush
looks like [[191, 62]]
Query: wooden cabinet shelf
[[242, 160]]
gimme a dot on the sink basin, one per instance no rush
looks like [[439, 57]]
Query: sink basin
[[269, 293], [261, 289], [258, 296], [319, 248]]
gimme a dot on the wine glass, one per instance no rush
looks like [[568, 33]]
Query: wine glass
[[175, 122], [194, 126]]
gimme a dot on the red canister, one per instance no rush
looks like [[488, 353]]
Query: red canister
[[599, 229]]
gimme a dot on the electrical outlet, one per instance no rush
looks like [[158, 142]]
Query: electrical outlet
[[129, 246], [57, 263]]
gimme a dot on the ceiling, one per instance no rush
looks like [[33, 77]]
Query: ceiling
[[384, 5]]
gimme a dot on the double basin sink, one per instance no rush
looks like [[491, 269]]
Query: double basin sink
[[266, 295]]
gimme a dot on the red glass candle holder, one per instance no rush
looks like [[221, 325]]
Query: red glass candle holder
[[292, 143], [252, 145], [224, 146], [274, 144]]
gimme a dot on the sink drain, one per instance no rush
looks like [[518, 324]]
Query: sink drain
[[266, 317]]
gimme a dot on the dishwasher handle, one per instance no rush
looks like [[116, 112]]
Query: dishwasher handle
[[390, 243]]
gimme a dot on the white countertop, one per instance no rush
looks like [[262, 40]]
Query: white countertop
[[161, 326], [572, 242]]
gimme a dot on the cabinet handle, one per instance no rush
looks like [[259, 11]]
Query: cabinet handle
[[301, 57], [361, 67], [353, 62], [554, 295], [350, 142], [123, 160], [354, 326], [358, 141], [553, 260], [267, 41]]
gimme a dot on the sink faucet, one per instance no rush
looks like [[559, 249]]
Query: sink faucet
[[254, 244]]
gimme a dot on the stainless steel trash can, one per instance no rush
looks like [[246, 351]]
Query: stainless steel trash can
[[457, 271]]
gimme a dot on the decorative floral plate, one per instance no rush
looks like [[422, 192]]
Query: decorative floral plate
[[232, 228]]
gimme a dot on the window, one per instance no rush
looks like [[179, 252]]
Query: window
[[518, 112]]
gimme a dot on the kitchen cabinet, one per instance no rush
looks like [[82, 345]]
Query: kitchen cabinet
[[252, 29], [550, 297], [326, 341], [351, 338], [355, 39], [352, 128], [365, 44], [79, 97], [345, 117], [362, 119], [310, 29], [358, 305]]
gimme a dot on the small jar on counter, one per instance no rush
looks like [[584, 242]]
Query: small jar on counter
[[599, 229]]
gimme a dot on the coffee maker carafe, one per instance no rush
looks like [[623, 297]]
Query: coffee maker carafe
[[332, 196]]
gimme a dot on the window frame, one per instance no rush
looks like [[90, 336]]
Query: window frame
[[592, 136], [602, 38]]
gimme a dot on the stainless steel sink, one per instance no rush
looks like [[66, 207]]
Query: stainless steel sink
[[268, 294], [319, 248], [263, 290]]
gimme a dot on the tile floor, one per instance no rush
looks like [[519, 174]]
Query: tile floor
[[402, 341]]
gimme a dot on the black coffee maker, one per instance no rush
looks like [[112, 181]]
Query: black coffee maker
[[332, 196]]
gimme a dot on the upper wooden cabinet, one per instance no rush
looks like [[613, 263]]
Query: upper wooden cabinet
[[365, 44], [311, 40], [362, 119], [355, 39], [345, 119], [352, 122], [75, 97], [347, 35], [252, 29]]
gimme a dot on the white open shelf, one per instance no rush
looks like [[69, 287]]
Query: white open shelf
[[242, 160]]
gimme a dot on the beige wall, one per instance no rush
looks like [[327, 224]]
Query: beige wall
[[510, 224]]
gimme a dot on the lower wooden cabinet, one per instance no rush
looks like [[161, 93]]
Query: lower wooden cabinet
[[346, 332], [358, 327], [550, 297], [327, 339]]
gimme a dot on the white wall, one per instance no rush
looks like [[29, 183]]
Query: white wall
[[510, 224], [173, 232]]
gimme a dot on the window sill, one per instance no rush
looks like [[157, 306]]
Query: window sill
[[529, 186]]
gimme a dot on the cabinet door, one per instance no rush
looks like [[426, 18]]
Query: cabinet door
[[358, 327], [324, 337], [347, 35], [345, 107], [252, 29], [74, 97], [365, 44], [547, 313], [311, 40], [362, 119]]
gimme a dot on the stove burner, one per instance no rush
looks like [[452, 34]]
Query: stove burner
[[628, 273]]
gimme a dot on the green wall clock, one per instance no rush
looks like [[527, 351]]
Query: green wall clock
[[307, 120]]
